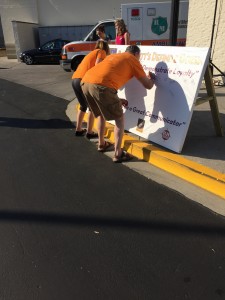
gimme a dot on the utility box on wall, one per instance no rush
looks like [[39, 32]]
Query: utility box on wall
[[26, 37]]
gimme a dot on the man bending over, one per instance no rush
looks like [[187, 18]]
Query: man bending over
[[100, 85]]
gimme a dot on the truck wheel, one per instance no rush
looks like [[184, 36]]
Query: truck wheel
[[75, 63]]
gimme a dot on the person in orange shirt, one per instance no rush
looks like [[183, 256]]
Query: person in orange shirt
[[93, 58], [100, 85]]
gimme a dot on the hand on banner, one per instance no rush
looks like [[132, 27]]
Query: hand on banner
[[151, 76], [124, 102]]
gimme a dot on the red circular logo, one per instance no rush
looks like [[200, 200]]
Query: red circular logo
[[166, 134]]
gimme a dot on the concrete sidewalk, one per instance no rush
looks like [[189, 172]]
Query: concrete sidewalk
[[206, 173], [202, 161]]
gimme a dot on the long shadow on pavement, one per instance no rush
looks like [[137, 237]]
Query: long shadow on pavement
[[35, 124]]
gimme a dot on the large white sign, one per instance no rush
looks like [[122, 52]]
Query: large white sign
[[163, 114]]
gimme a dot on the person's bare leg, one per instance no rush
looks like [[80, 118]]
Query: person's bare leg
[[101, 130], [80, 117], [118, 135], [90, 122]]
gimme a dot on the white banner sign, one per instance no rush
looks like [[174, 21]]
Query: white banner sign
[[163, 114]]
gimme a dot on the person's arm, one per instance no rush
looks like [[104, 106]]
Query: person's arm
[[127, 38], [148, 81], [98, 60], [100, 56]]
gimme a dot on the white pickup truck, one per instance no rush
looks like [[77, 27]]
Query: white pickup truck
[[148, 24], [73, 53]]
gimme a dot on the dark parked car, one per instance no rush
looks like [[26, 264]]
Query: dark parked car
[[48, 53]]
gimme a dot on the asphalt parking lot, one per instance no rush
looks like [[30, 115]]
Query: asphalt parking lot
[[201, 146], [73, 225]]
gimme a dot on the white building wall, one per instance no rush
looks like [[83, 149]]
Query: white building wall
[[87, 12], [55, 13], [200, 25], [76, 12], [16, 10], [22, 30]]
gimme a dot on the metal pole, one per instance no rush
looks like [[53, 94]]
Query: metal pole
[[211, 44], [174, 22], [213, 27]]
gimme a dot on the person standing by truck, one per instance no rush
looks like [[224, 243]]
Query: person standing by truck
[[100, 32], [100, 85], [122, 34], [93, 58]]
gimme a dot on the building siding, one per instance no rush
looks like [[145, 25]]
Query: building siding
[[83, 13], [200, 25]]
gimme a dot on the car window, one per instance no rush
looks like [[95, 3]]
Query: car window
[[48, 46], [58, 45], [110, 30], [93, 37]]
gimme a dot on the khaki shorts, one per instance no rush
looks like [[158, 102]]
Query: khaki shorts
[[102, 101]]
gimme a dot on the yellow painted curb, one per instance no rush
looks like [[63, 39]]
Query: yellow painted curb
[[199, 175]]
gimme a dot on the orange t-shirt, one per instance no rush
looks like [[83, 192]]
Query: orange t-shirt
[[88, 62], [115, 70]]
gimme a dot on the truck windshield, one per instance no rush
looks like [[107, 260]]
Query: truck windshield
[[109, 30], [90, 36]]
